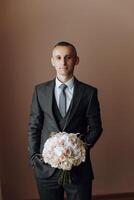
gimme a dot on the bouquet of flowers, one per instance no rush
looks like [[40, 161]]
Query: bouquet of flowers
[[63, 151]]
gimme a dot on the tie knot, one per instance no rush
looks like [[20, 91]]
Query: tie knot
[[63, 87]]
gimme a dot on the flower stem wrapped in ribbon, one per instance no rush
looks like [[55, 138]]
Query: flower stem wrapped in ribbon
[[63, 151]]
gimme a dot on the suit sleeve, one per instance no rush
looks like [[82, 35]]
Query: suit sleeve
[[94, 124], [36, 119]]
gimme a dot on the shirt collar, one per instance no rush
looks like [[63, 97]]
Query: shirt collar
[[69, 83]]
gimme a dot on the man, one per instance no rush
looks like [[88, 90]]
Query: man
[[63, 104]]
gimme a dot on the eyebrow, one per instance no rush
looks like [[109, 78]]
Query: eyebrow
[[65, 55]]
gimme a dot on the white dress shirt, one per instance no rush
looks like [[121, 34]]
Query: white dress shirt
[[69, 91]]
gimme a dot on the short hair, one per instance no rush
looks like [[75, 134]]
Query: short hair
[[67, 44]]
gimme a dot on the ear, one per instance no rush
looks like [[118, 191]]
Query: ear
[[52, 61], [77, 60]]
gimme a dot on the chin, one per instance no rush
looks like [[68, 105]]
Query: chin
[[64, 74]]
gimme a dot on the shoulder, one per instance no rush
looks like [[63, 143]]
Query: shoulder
[[43, 85], [87, 87]]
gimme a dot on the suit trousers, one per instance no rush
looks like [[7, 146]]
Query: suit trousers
[[50, 189]]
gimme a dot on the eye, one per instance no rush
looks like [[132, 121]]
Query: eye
[[69, 57], [58, 57]]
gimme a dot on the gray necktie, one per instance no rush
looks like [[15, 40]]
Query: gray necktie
[[62, 100]]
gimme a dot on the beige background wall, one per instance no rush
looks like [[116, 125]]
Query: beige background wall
[[103, 32]]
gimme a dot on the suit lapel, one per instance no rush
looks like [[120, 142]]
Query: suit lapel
[[50, 90], [78, 92]]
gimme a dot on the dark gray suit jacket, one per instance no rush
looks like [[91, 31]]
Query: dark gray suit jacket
[[84, 118]]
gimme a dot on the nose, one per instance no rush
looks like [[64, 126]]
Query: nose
[[64, 61]]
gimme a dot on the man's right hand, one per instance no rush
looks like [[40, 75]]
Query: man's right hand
[[37, 160]]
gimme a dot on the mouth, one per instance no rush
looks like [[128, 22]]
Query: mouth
[[63, 68]]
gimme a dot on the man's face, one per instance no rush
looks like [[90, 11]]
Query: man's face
[[64, 60]]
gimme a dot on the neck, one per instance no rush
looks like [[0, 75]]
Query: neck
[[64, 79]]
